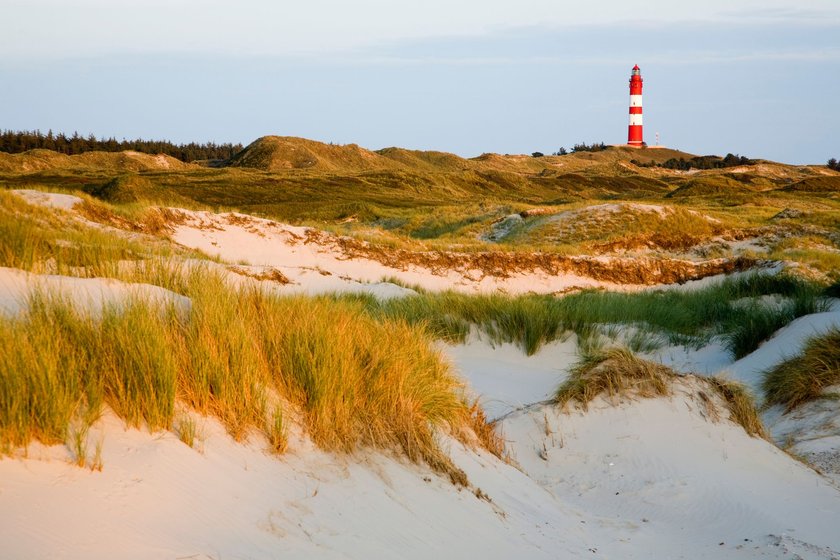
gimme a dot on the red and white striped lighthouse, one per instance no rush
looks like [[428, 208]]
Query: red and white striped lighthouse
[[634, 131]]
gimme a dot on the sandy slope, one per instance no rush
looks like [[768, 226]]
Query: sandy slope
[[667, 483], [317, 267], [505, 378], [650, 479], [91, 294], [157, 498], [647, 479]]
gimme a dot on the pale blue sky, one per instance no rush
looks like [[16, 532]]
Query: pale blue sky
[[758, 78]]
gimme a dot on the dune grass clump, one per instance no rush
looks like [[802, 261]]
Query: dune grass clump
[[61, 366], [754, 326], [529, 320], [740, 404], [615, 372], [248, 358], [618, 373], [805, 377], [41, 379], [363, 382]]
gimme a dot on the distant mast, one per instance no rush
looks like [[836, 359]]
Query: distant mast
[[634, 131]]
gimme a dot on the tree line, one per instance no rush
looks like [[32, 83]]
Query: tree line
[[17, 141], [700, 162], [582, 147]]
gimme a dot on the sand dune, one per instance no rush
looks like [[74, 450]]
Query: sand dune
[[644, 478]]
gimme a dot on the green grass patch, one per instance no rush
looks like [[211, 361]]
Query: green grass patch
[[679, 316]]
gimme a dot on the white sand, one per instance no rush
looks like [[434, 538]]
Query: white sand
[[49, 200], [86, 294], [318, 268], [664, 482], [505, 378]]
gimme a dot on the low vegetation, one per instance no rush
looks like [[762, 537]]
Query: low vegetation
[[805, 377], [354, 371], [616, 373], [681, 316], [252, 360], [619, 374]]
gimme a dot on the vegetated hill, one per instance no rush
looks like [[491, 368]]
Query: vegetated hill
[[43, 160], [428, 161], [822, 184], [401, 195], [281, 153], [712, 186]]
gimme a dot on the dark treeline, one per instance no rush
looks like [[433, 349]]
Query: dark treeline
[[17, 141], [700, 162], [582, 147], [593, 147]]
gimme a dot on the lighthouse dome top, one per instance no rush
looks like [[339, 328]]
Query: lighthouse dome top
[[636, 71]]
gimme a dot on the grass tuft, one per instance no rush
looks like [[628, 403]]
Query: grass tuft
[[276, 430], [740, 404], [804, 378], [186, 429], [617, 372], [79, 445]]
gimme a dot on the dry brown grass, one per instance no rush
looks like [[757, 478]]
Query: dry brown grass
[[138, 218], [503, 264], [268, 273]]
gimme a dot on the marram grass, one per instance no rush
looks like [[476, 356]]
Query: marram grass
[[680, 316], [804, 377], [251, 359], [618, 374]]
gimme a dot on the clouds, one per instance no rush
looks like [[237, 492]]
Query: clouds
[[51, 29]]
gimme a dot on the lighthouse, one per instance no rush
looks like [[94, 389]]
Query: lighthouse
[[634, 131]]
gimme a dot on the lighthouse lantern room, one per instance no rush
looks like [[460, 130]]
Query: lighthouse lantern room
[[634, 131]]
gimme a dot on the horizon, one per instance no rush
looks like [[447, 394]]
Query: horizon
[[760, 80]]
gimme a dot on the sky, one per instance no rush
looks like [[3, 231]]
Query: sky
[[757, 78]]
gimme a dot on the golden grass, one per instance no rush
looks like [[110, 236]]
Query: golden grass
[[250, 359], [740, 404], [186, 429], [805, 377]]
